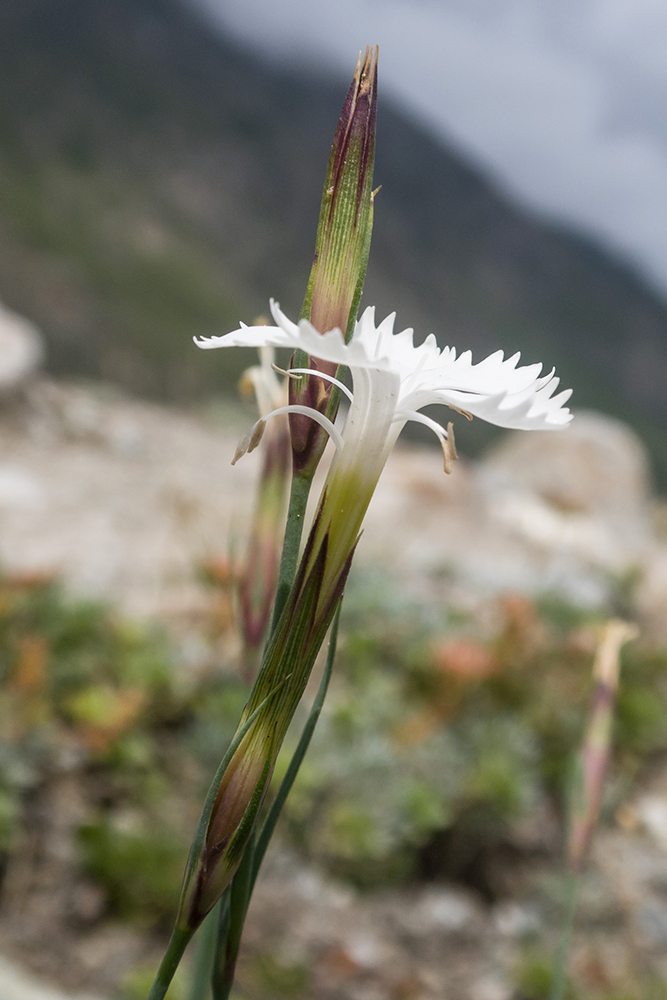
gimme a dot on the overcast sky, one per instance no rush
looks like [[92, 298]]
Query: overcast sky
[[565, 101]]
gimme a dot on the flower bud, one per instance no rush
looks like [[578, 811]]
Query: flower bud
[[257, 586], [238, 800], [259, 575], [341, 253], [243, 778], [596, 747]]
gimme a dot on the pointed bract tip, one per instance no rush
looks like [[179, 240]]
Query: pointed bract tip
[[357, 72]]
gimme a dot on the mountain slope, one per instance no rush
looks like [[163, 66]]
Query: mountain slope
[[158, 182]]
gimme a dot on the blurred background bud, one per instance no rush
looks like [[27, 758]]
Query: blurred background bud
[[258, 576], [596, 748]]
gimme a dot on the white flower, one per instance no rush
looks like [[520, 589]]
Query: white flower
[[392, 381]]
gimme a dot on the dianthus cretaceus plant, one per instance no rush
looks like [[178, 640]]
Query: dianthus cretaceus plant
[[385, 381]]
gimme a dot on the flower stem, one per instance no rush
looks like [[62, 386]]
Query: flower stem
[[231, 927], [562, 960], [179, 940], [296, 516], [236, 901], [200, 982], [300, 752]]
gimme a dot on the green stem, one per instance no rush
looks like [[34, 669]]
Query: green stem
[[562, 960], [231, 927], [300, 752], [296, 516], [177, 945], [180, 935], [200, 981], [233, 914]]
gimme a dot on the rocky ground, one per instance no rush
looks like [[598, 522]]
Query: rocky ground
[[125, 499]]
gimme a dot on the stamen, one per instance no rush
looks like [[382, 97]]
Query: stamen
[[451, 441], [282, 371], [464, 413], [254, 435], [251, 440], [445, 437], [329, 378], [447, 456]]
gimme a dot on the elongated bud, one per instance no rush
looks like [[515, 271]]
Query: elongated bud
[[257, 587], [240, 785], [596, 746], [238, 800], [341, 253], [258, 578]]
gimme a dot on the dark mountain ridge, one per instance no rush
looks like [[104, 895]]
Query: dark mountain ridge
[[158, 182]]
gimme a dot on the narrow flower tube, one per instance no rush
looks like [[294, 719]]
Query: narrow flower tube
[[596, 746], [341, 255]]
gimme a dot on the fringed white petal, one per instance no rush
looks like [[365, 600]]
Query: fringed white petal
[[496, 389], [247, 336]]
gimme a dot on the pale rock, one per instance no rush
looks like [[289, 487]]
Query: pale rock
[[366, 949], [514, 920], [652, 813], [652, 922], [16, 984], [446, 910], [491, 988], [544, 512], [21, 349], [583, 491], [20, 489]]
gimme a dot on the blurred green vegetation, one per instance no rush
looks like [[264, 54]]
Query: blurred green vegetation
[[436, 740], [534, 978], [440, 739]]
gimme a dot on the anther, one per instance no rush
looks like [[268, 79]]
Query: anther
[[256, 435], [282, 371], [250, 441], [452, 442], [464, 413]]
